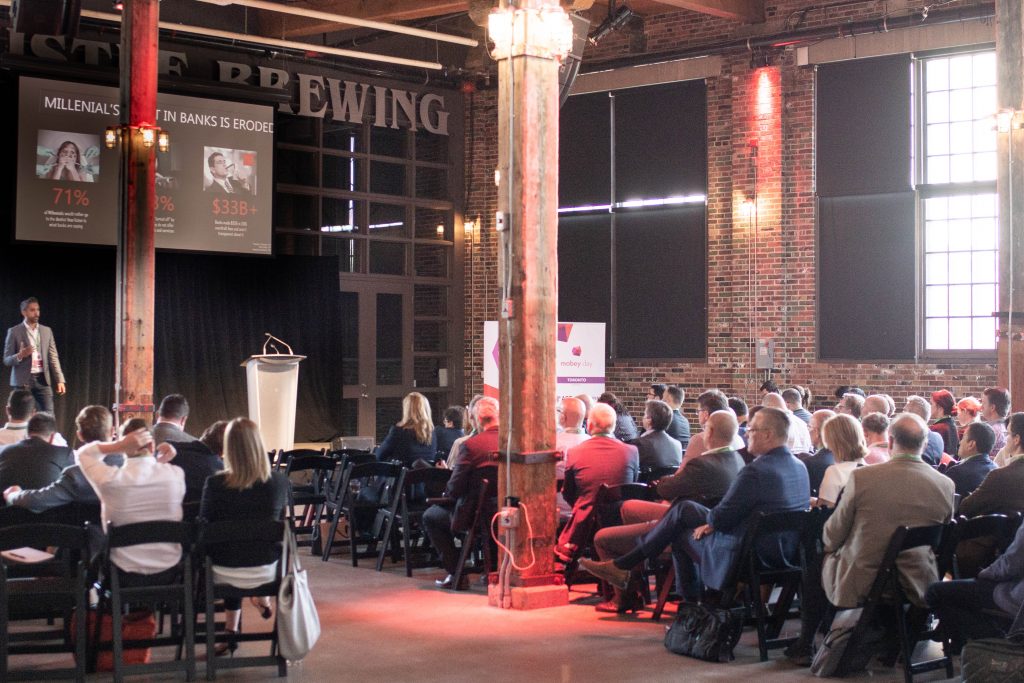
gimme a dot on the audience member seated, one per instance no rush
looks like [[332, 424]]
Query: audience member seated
[[794, 398], [648, 528], [710, 401], [171, 417], [1002, 490], [680, 427], [442, 523], [768, 387], [21, 406], [474, 429], [844, 437], [943, 410], [932, 454], [658, 449], [822, 458], [601, 459], [851, 404], [198, 459], [963, 607], [799, 436], [876, 403], [34, 462], [974, 464], [625, 426], [92, 424], [968, 410], [570, 434], [450, 429], [902, 492], [995, 407], [413, 438], [876, 434], [245, 490], [141, 490], [739, 408], [656, 392]]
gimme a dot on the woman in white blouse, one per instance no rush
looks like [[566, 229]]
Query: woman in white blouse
[[843, 435]]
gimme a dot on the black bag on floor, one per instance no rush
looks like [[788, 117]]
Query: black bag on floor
[[706, 633], [995, 660]]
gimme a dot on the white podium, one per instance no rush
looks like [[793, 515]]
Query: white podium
[[273, 384]]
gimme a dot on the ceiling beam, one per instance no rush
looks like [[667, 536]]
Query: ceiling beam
[[747, 11], [276, 24]]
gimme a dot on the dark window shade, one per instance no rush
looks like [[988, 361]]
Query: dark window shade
[[864, 127], [584, 268], [866, 278], [661, 141], [661, 284], [584, 144]]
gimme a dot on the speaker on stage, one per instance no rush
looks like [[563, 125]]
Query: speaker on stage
[[46, 17]]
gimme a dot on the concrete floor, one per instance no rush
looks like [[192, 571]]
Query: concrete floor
[[386, 627]]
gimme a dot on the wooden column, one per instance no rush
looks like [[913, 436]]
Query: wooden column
[[135, 242], [1010, 79], [528, 261]]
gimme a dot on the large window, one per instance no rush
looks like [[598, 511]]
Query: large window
[[957, 173]]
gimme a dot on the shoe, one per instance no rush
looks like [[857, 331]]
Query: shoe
[[607, 571], [228, 648], [565, 553], [621, 606], [448, 582], [265, 611], [798, 656]]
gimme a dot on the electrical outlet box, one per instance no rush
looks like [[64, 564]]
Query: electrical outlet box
[[508, 518]]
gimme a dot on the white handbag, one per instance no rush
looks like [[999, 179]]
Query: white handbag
[[298, 625]]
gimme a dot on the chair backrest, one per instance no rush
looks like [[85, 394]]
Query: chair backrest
[[284, 458], [45, 535], [149, 532], [431, 481], [903, 538], [212, 534], [609, 500], [352, 455], [306, 463], [649, 474], [384, 474], [767, 524]]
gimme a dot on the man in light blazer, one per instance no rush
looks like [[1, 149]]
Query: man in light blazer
[[31, 354], [906, 491]]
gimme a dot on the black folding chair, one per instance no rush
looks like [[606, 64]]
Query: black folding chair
[[243, 533], [406, 511], [177, 594], [319, 471], [359, 495], [354, 456], [47, 590], [974, 543], [484, 492], [649, 473]]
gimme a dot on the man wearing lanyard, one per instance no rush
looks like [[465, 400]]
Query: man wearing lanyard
[[31, 353]]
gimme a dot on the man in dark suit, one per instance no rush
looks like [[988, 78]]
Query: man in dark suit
[[198, 459], [657, 449], [223, 179], [34, 462], [170, 421], [1002, 491], [601, 459], [649, 528], [822, 458], [975, 463], [442, 523], [680, 427], [31, 354]]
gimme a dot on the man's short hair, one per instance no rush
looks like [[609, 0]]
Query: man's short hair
[[210, 159], [713, 400], [773, 400], [487, 411], [94, 423], [876, 423], [21, 403], [769, 387], [820, 417], [1000, 400], [918, 405], [776, 421], [909, 433], [844, 389], [792, 396], [659, 390], [738, 405], [875, 403], [41, 424], [173, 407], [602, 419], [984, 437], [454, 415], [675, 393], [133, 425], [853, 402], [574, 412], [659, 414], [725, 425], [213, 437], [28, 302]]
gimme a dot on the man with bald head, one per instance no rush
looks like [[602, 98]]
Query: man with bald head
[[571, 412], [799, 440], [602, 459], [648, 528], [875, 403]]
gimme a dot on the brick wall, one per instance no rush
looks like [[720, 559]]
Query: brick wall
[[761, 261]]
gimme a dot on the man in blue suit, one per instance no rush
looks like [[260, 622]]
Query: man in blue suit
[[975, 463], [776, 481]]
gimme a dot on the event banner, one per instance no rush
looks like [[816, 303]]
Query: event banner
[[579, 355], [213, 184]]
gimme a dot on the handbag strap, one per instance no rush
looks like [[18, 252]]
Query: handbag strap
[[289, 553]]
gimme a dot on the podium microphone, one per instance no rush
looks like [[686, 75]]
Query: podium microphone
[[270, 340]]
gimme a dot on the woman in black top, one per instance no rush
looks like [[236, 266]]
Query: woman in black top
[[943, 411], [625, 427], [451, 429], [245, 490], [413, 438]]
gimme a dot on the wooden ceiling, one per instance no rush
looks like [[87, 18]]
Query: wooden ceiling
[[417, 11]]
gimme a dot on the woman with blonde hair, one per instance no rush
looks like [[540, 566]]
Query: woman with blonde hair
[[842, 435], [413, 438], [245, 490]]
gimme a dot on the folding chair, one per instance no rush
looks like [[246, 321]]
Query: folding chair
[[406, 511], [360, 494], [484, 491], [310, 496]]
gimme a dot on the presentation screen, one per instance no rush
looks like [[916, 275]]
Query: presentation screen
[[213, 184]]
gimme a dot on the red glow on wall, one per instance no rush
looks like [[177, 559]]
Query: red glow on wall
[[767, 80]]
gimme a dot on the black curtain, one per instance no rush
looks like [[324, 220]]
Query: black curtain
[[211, 313]]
